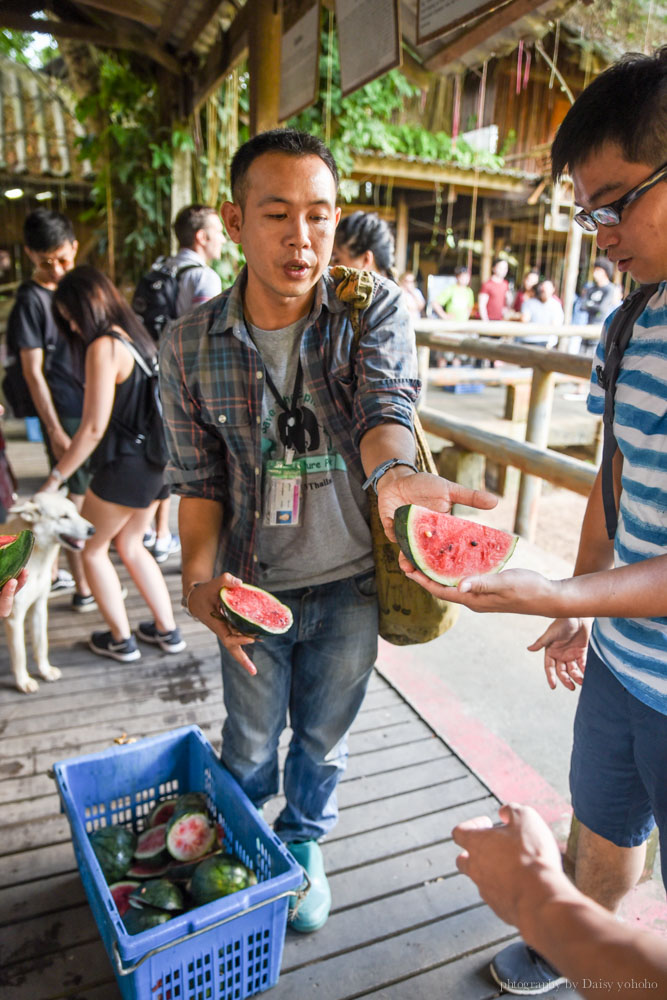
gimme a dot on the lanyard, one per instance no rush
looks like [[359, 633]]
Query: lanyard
[[291, 411]]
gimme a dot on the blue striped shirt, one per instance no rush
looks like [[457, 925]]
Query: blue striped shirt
[[635, 649], [212, 385]]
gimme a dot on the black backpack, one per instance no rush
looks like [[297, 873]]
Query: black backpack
[[154, 440], [618, 338], [14, 385], [155, 296]]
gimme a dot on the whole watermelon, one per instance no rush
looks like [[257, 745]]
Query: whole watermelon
[[219, 876], [113, 847]]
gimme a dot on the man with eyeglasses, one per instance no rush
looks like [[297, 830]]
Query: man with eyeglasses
[[613, 143], [53, 378]]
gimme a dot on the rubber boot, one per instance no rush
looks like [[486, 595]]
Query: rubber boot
[[313, 911]]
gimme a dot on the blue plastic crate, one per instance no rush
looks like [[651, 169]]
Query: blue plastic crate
[[230, 948]]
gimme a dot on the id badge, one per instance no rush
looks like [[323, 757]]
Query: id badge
[[282, 505]]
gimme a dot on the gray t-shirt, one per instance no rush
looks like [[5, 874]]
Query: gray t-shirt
[[197, 284], [332, 539]]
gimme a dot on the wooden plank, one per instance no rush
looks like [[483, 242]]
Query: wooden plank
[[397, 958]]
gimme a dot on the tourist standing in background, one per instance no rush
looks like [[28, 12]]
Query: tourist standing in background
[[492, 301]]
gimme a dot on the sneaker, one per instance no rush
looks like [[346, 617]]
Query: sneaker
[[83, 604], [104, 644], [164, 548], [169, 642], [521, 970], [312, 912], [63, 583], [149, 539]]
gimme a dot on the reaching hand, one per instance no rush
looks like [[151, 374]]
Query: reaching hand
[[564, 644], [8, 592], [512, 865], [204, 604], [426, 490], [518, 591]]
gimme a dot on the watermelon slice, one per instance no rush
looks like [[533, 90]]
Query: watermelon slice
[[151, 844], [190, 836], [446, 548], [15, 550], [121, 892], [253, 611]]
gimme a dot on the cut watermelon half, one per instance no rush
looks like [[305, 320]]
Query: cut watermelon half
[[447, 548], [190, 836]]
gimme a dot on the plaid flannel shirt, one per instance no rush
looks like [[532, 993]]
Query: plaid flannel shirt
[[212, 384]]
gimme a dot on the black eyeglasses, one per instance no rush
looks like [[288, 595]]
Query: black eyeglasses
[[610, 215]]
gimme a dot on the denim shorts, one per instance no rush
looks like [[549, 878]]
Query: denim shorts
[[619, 762]]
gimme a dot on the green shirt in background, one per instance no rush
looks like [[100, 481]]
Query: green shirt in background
[[457, 301]]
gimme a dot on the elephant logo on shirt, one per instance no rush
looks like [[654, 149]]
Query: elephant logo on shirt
[[298, 430]]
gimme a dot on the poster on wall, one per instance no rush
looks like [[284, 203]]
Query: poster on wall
[[299, 58], [435, 17], [369, 40]]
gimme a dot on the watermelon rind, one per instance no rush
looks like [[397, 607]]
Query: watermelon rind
[[466, 548], [189, 802], [146, 869], [113, 847], [160, 893], [280, 614], [190, 836], [151, 844], [137, 921], [219, 876], [161, 812], [14, 555]]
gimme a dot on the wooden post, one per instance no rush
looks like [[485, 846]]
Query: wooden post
[[401, 234], [537, 432], [181, 186], [572, 254], [487, 246], [264, 36], [423, 364]]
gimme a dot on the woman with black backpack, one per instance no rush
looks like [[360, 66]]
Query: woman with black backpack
[[119, 428]]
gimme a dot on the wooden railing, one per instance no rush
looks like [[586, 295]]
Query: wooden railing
[[532, 457]]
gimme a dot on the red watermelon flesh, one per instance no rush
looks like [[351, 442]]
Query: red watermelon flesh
[[254, 611], [190, 836], [121, 892], [448, 548]]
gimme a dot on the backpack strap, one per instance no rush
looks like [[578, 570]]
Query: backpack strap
[[617, 340], [356, 288]]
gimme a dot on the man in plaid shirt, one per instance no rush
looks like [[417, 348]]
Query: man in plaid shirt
[[275, 420]]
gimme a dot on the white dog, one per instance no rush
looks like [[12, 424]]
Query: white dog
[[55, 521]]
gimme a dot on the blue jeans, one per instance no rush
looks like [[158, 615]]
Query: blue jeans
[[318, 672]]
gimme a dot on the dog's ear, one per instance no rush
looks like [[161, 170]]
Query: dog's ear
[[28, 510]]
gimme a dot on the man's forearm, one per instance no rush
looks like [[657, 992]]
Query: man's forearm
[[589, 946], [41, 397], [199, 524], [637, 591], [390, 440]]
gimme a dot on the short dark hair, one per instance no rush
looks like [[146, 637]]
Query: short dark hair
[[626, 105], [362, 231], [189, 221], [277, 140], [461, 269], [45, 230]]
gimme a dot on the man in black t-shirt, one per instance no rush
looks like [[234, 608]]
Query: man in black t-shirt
[[54, 378]]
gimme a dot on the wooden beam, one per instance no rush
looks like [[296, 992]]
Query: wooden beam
[[221, 60], [481, 32], [113, 38], [199, 25], [264, 39], [134, 10], [170, 17]]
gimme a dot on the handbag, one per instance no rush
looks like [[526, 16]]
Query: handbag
[[408, 614]]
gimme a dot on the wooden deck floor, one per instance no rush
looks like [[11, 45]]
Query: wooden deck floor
[[405, 924]]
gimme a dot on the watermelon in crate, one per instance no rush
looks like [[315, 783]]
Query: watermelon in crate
[[157, 951]]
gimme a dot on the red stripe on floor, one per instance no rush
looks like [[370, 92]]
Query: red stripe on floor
[[493, 761]]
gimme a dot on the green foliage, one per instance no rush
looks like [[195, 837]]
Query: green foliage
[[370, 119], [132, 154], [28, 48]]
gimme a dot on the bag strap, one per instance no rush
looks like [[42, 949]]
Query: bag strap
[[356, 289], [616, 342]]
